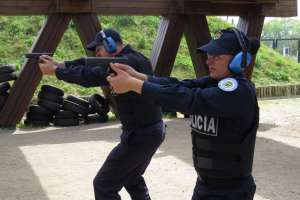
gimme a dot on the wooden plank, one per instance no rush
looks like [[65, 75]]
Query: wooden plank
[[88, 25], [166, 44], [155, 7], [244, 2], [282, 8], [23, 88], [252, 26], [195, 37], [69, 5]]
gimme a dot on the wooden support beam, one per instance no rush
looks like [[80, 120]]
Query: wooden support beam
[[23, 88], [252, 26], [197, 34], [243, 2], [280, 8], [166, 44], [88, 25]]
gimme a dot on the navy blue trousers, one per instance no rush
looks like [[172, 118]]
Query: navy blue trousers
[[127, 162], [243, 189]]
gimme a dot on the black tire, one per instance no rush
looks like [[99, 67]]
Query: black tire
[[95, 119], [36, 123], [7, 77], [51, 97], [51, 89], [65, 114], [38, 117], [7, 69], [71, 106], [39, 109], [51, 106], [78, 101], [99, 104], [66, 122], [4, 87], [91, 110]]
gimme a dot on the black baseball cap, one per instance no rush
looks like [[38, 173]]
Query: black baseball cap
[[99, 39], [226, 43]]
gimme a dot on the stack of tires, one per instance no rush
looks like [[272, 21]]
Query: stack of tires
[[7, 73], [74, 109], [50, 101], [38, 116], [99, 108], [71, 111]]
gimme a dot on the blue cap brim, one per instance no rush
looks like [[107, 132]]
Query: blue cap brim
[[212, 48]]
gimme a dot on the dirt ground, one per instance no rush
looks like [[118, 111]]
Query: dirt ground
[[60, 163]]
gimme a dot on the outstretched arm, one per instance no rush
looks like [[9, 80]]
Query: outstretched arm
[[210, 101], [74, 72], [190, 83]]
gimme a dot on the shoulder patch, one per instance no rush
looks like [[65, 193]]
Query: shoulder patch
[[228, 84]]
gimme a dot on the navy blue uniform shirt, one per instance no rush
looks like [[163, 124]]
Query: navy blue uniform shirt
[[134, 110], [214, 112]]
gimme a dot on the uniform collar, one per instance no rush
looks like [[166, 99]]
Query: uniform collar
[[127, 49]]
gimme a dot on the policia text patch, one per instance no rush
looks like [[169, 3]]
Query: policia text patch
[[205, 125]]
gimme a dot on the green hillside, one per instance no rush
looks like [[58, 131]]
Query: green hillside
[[17, 35]]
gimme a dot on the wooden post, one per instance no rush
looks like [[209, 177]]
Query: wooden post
[[166, 44], [197, 34], [252, 26], [23, 88], [87, 26]]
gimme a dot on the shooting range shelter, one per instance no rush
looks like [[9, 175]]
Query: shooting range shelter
[[179, 17]]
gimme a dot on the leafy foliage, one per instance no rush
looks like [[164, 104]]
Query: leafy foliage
[[283, 28]]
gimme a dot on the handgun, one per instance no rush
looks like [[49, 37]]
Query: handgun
[[37, 55], [104, 61]]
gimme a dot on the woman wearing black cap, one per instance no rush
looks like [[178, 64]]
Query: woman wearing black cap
[[223, 110]]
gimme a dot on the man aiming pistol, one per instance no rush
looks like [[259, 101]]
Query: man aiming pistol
[[142, 127]]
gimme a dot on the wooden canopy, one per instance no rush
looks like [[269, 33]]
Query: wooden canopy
[[179, 17], [278, 8]]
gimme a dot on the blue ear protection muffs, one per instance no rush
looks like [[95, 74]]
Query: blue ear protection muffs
[[109, 44], [243, 58]]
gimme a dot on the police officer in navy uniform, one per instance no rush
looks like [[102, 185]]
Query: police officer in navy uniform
[[142, 128], [223, 110]]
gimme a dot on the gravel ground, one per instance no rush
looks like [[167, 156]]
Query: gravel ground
[[60, 163]]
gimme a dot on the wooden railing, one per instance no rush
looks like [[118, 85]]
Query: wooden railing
[[278, 91]]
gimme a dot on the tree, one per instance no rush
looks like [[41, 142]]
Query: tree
[[282, 28]]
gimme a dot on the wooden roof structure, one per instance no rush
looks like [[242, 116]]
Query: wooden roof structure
[[179, 17]]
